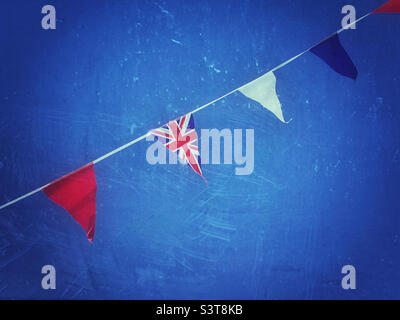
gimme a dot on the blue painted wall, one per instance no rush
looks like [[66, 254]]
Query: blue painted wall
[[324, 192]]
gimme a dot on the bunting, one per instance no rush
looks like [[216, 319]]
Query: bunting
[[263, 90], [392, 6], [76, 192], [180, 136], [332, 52]]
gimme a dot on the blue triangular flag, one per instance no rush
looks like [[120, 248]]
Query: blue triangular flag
[[332, 52]]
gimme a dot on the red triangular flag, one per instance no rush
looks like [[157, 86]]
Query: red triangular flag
[[76, 193], [392, 6]]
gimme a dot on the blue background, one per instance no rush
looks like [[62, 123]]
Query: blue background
[[325, 188]]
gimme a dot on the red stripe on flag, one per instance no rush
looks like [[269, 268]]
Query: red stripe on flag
[[76, 193], [392, 6]]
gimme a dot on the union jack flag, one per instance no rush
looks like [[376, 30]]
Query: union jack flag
[[180, 136]]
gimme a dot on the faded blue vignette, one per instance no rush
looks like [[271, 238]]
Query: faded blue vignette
[[323, 193]]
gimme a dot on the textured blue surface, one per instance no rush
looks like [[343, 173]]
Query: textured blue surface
[[324, 192]]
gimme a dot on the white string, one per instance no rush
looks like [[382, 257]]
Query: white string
[[191, 112], [120, 148], [23, 197]]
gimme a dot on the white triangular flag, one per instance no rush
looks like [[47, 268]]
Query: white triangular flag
[[263, 90]]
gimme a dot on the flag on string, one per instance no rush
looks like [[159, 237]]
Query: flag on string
[[263, 90], [332, 52], [76, 193], [392, 6], [180, 136]]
